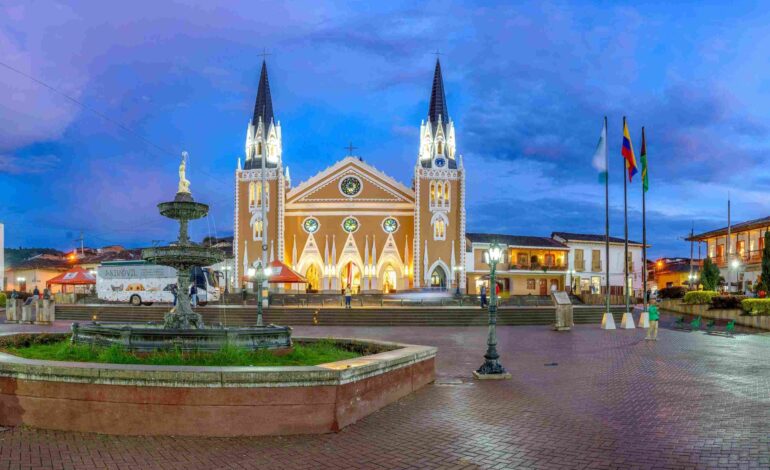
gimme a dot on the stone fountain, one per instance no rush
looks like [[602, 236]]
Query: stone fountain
[[182, 327]]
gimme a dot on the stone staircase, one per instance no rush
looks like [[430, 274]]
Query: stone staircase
[[296, 316]]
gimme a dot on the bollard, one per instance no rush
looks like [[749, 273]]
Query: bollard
[[26, 314], [12, 310]]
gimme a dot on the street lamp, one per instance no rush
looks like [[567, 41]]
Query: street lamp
[[259, 275], [491, 369], [458, 272], [226, 269], [735, 264]]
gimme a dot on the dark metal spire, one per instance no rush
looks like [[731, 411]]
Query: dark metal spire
[[263, 108], [438, 98]]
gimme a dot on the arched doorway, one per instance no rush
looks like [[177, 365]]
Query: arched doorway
[[313, 276], [438, 278], [389, 279], [350, 274]]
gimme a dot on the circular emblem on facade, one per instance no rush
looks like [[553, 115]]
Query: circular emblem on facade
[[350, 225], [350, 186], [440, 162], [311, 225], [390, 225]]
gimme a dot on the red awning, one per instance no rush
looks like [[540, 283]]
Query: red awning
[[74, 277], [282, 274]]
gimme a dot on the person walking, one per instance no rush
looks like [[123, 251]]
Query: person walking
[[36, 293], [483, 296], [175, 293], [348, 297], [652, 332], [194, 295]]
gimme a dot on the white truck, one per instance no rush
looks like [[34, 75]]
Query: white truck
[[143, 283]]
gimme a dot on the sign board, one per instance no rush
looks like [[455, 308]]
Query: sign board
[[561, 298]]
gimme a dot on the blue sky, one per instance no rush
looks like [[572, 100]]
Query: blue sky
[[527, 86]]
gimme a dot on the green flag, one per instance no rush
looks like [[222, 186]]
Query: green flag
[[645, 180]]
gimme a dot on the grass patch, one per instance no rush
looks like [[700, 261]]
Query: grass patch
[[307, 354]]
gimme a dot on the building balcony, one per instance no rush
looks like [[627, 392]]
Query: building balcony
[[745, 257], [538, 267]]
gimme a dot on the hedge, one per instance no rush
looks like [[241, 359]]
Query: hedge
[[2, 299], [756, 306], [727, 301], [672, 292], [699, 297]]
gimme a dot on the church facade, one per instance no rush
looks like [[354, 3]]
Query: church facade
[[351, 224]]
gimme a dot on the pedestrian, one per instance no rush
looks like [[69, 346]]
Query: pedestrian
[[652, 332], [497, 289], [14, 294], [36, 293], [194, 295], [483, 296], [175, 293], [348, 297], [244, 293]]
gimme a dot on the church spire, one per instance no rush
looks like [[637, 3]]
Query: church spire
[[263, 107], [438, 107]]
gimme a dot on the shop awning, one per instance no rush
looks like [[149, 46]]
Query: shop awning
[[74, 277]]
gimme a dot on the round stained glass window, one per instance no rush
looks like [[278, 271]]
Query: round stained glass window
[[390, 225], [350, 186], [350, 225], [310, 225]]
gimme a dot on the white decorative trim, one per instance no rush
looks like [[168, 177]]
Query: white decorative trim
[[462, 227], [310, 183], [438, 173], [281, 202], [350, 205], [416, 241], [255, 175], [447, 272], [334, 213], [235, 226]]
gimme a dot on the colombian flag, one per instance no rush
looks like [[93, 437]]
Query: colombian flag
[[628, 153]]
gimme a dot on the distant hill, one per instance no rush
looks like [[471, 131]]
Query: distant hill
[[15, 256]]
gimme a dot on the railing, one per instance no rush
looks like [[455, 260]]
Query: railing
[[747, 257], [537, 266]]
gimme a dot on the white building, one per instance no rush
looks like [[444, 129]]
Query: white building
[[587, 262]]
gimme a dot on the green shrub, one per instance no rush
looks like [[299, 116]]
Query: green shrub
[[2, 299], [756, 306], [698, 297], [675, 292], [727, 301]]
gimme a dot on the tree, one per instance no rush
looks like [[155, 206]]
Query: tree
[[709, 275], [766, 263]]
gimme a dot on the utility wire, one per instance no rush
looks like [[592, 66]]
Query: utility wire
[[165, 151]]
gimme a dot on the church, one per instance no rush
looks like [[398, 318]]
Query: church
[[351, 225]]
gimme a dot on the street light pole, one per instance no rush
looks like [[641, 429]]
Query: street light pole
[[458, 272], [259, 275], [492, 369]]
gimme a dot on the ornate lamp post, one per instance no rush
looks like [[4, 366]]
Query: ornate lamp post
[[259, 276], [492, 369]]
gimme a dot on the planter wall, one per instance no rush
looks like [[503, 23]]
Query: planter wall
[[677, 306]]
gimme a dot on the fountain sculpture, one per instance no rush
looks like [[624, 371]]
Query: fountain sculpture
[[182, 327]]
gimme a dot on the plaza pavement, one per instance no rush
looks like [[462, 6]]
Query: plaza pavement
[[583, 399]]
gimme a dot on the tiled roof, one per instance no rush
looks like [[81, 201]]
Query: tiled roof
[[39, 262], [438, 105], [515, 240], [762, 222], [586, 237]]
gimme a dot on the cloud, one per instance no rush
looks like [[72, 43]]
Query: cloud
[[15, 165]]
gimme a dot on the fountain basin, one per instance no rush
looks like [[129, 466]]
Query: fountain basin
[[183, 209], [210, 401], [154, 337], [181, 256]]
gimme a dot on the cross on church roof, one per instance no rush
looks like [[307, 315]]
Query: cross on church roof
[[264, 54], [350, 149]]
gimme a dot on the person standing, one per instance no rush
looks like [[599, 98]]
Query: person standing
[[483, 296], [175, 293], [36, 293], [652, 333], [194, 294], [348, 297]]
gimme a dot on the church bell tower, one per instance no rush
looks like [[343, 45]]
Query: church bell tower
[[439, 184]]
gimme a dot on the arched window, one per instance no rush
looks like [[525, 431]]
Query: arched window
[[257, 230], [439, 193], [446, 194], [432, 193], [440, 149], [259, 148], [252, 193], [439, 229], [255, 195]]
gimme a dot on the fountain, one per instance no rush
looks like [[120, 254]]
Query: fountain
[[182, 327]]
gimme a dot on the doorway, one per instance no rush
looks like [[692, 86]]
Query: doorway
[[543, 286], [313, 277], [351, 277], [438, 278], [389, 279]]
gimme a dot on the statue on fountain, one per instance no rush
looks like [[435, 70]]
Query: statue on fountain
[[184, 184]]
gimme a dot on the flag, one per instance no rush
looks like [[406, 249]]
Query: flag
[[600, 155], [628, 153], [645, 181]]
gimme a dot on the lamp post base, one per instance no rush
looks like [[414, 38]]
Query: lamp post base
[[499, 376]]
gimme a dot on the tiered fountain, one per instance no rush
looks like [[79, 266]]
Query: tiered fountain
[[182, 327]]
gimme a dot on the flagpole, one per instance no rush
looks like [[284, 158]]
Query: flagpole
[[625, 231], [607, 219], [644, 319]]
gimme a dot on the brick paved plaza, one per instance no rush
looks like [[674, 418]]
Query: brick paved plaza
[[612, 401]]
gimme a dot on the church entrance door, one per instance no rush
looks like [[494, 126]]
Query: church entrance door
[[389, 279], [438, 278], [351, 276], [313, 277]]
